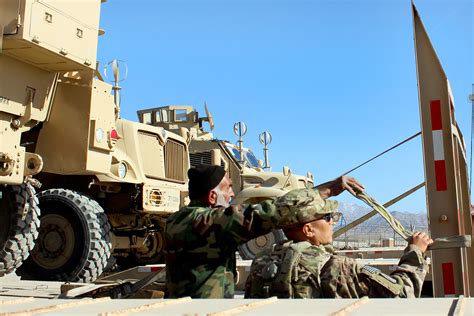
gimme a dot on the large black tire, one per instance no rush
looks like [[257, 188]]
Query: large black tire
[[17, 234], [73, 243]]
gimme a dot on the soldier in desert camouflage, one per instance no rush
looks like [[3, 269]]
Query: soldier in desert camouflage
[[305, 266], [202, 238]]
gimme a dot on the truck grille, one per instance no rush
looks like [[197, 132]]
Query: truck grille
[[175, 160], [203, 158]]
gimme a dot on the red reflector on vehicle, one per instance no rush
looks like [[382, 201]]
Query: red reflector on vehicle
[[114, 134]]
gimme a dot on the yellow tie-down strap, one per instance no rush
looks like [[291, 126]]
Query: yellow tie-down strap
[[458, 241]]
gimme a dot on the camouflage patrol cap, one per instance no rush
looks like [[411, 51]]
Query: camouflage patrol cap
[[302, 206]]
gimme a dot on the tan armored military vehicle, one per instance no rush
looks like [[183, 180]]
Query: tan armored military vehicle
[[245, 170], [107, 183], [27, 78]]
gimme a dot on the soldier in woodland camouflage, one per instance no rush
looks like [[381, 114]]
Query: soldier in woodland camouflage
[[202, 238], [305, 266]]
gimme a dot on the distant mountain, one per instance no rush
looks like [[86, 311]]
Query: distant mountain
[[352, 212], [376, 227]]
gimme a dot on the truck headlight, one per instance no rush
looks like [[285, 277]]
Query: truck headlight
[[122, 169]]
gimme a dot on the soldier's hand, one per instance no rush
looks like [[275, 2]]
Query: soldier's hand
[[421, 240], [338, 185], [351, 184]]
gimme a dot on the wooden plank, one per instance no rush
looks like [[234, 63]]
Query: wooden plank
[[349, 308], [246, 307], [17, 301], [52, 308], [146, 307]]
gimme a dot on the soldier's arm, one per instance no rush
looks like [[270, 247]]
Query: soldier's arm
[[406, 281], [344, 278], [411, 271], [338, 185], [239, 223], [412, 268], [340, 278]]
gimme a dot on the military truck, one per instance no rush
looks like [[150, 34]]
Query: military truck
[[107, 183], [242, 166], [27, 80]]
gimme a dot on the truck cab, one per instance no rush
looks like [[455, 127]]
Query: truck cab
[[241, 164]]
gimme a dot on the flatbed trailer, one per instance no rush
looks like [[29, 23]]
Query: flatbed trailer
[[35, 297], [428, 306]]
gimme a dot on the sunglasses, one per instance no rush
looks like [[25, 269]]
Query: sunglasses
[[336, 216]]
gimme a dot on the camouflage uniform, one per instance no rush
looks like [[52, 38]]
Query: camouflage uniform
[[303, 270], [200, 246], [319, 273]]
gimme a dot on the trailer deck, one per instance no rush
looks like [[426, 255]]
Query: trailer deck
[[18, 297]]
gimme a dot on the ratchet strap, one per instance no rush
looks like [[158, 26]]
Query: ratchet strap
[[458, 241]]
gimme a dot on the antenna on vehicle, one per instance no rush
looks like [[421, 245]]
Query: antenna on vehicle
[[208, 117], [114, 64], [239, 130], [265, 139]]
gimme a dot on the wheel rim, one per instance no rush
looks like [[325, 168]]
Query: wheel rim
[[152, 247], [55, 244]]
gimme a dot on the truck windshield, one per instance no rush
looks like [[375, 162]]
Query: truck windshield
[[249, 157]]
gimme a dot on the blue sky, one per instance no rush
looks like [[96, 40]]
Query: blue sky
[[333, 81]]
